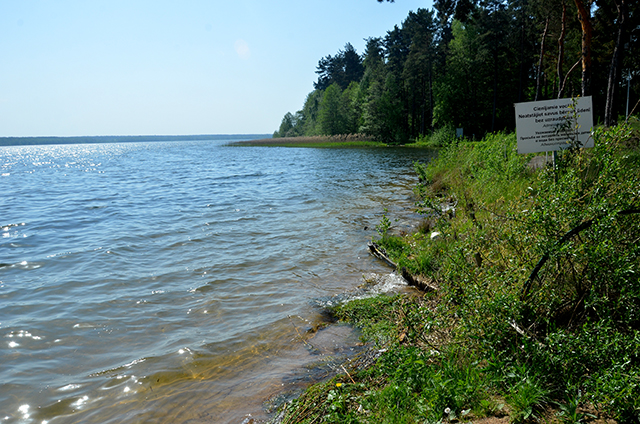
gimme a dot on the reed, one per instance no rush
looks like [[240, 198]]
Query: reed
[[341, 140]]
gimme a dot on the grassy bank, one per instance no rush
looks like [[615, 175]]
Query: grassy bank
[[346, 140], [535, 314]]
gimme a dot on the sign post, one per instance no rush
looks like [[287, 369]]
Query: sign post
[[553, 125]]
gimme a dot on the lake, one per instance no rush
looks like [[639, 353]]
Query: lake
[[177, 281]]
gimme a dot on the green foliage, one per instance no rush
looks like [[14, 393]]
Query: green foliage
[[525, 399], [445, 386], [351, 104], [463, 77], [538, 293], [384, 225], [464, 64], [375, 316], [406, 385], [332, 118], [569, 411], [441, 137], [342, 69], [575, 322], [310, 113], [290, 126], [595, 271]]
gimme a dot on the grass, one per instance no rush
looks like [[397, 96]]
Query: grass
[[438, 138], [346, 140], [404, 381], [561, 344]]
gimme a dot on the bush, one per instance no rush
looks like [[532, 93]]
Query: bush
[[440, 137], [541, 268]]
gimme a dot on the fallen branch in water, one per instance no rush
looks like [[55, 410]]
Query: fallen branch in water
[[380, 253], [413, 280]]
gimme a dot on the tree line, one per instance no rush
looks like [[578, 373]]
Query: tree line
[[464, 63]]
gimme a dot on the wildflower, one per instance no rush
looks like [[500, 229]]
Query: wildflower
[[338, 384]]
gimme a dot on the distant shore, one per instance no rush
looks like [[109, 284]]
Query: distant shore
[[352, 140], [30, 141]]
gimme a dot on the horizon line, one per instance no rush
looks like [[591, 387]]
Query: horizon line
[[133, 135]]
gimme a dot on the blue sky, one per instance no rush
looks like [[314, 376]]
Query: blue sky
[[134, 67]]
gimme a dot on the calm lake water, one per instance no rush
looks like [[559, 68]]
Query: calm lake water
[[171, 282]]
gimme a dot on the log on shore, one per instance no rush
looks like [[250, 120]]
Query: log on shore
[[416, 281]]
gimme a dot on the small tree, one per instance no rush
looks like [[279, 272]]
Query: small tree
[[331, 116]]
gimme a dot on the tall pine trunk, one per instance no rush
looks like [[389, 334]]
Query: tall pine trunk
[[614, 70], [563, 33], [540, 61], [584, 16]]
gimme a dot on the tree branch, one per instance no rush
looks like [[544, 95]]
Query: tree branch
[[565, 238]]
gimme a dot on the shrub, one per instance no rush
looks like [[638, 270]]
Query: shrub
[[540, 268]]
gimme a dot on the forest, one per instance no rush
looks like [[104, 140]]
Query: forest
[[465, 63]]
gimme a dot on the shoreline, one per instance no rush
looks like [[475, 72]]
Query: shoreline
[[350, 354], [356, 140], [480, 345], [105, 139]]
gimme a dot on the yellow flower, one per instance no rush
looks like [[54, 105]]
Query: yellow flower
[[338, 384]]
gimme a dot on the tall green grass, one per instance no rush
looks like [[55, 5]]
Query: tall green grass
[[537, 308], [575, 321]]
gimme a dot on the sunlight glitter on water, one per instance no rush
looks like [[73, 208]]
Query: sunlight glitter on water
[[193, 266]]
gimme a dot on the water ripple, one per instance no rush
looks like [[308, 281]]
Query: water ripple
[[161, 277]]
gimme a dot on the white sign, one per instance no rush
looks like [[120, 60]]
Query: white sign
[[554, 124]]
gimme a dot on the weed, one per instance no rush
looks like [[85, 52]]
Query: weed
[[438, 138], [384, 225], [569, 412], [526, 399]]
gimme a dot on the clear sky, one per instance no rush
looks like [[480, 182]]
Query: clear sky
[[134, 67], [142, 67]]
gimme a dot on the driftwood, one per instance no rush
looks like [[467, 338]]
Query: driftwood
[[413, 280], [417, 281], [381, 254]]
